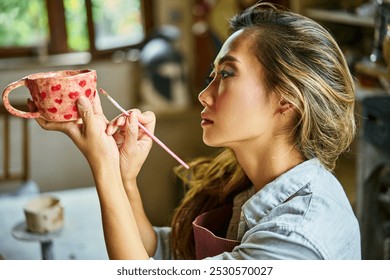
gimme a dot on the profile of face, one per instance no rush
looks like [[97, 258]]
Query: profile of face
[[238, 108]]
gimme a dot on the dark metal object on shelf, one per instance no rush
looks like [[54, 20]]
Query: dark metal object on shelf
[[373, 170], [382, 19], [376, 122]]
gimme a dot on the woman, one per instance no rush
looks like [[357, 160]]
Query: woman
[[280, 101]]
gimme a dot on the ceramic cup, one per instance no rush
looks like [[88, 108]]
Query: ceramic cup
[[54, 93], [44, 214]]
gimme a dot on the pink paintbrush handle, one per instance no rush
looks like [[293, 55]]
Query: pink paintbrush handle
[[163, 145]]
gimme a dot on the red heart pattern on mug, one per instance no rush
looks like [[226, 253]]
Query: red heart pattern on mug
[[82, 83], [52, 110], [42, 95], [56, 87], [73, 94], [55, 93], [88, 92]]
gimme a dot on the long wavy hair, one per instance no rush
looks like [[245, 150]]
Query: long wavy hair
[[304, 66]]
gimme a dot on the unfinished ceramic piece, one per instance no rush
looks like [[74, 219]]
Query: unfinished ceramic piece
[[44, 214], [54, 93]]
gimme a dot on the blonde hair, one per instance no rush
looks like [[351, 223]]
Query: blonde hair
[[306, 68]]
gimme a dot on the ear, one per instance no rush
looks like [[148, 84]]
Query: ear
[[285, 106]]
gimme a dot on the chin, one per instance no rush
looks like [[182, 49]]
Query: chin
[[212, 143]]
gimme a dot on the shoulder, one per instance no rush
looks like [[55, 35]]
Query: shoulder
[[305, 207]]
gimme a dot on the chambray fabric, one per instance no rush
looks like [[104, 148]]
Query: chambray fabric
[[303, 214]]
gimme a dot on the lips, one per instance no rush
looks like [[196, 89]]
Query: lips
[[206, 120]]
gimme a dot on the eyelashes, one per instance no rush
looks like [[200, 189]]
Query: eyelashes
[[223, 73]]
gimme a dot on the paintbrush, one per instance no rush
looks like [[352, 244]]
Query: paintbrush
[[151, 135]]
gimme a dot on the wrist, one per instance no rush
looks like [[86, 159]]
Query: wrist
[[129, 180], [131, 189], [130, 186], [106, 173]]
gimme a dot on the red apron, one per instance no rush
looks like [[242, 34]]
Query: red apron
[[208, 229]]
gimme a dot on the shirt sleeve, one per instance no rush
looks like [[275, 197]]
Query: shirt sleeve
[[163, 250]]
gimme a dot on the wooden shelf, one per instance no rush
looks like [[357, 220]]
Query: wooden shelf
[[339, 16], [369, 68]]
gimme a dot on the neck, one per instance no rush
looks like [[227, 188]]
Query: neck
[[265, 165]]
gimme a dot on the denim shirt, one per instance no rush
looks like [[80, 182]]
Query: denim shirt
[[303, 214]]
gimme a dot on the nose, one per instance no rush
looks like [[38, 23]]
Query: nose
[[204, 97]]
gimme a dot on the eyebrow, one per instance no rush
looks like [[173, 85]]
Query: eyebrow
[[224, 59]]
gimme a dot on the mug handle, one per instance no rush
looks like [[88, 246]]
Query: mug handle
[[10, 108]]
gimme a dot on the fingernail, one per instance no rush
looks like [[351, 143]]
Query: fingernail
[[109, 131], [82, 102]]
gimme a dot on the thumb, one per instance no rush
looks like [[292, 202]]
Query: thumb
[[85, 110]]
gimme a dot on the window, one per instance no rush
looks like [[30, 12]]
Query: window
[[117, 27], [22, 25], [28, 28]]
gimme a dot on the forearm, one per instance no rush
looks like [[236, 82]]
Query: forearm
[[121, 233], [145, 228]]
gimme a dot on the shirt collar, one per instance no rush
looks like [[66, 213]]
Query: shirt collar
[[281, 189]]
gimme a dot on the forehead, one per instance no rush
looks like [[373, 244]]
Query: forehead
[[237, 43]]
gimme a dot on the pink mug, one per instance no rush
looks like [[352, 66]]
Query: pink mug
[[54, 93]]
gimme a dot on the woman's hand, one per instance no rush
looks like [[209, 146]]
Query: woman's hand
[[121, 231], [90, 136], [133, 144]]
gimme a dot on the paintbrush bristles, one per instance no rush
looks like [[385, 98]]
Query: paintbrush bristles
[[114, 102]]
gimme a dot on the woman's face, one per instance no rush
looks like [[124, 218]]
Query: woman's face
[[238, 110]]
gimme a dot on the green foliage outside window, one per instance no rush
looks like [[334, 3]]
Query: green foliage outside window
[[117, 23], [23, 23], [76, 25], [116, 27]]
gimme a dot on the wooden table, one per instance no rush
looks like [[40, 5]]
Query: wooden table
[[81, 238]]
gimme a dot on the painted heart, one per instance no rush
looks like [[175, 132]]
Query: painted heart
[[73, 94], [56, 87], [42, 95], [88, 92], [82, 83], [68, 116], [59, 101], [52, 110], [74, 108]]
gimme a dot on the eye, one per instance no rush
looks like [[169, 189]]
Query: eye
[[225, 74]]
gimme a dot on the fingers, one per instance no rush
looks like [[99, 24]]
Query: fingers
[[46, 125], [86, 111], [115, 124], [131, 128], [148, 119], [118, 122], [84, 106], [31, 105]]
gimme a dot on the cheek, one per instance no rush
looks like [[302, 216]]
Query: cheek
[[254, 113], [241, 118]]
